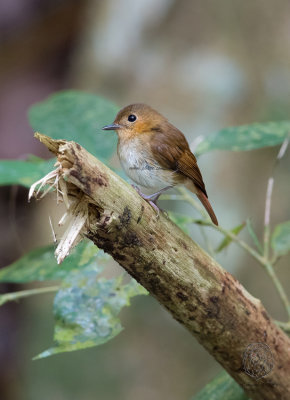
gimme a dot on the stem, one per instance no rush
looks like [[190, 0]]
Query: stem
[[240, 242], [4, 298], [235, 238], [283, 296], [187, 197], [269, 193], [263, 261], [206, 241], [267, 217]]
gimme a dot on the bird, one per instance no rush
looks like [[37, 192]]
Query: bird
[[156, 155]]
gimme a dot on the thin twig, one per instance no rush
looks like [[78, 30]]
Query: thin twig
[[267, 216], [188, 198], [240, 242], [283, 296], [283, 148], [4, 298], [270, 185], [208, 245]]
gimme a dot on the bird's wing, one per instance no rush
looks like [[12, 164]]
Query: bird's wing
[[188, 166], [171, 150]]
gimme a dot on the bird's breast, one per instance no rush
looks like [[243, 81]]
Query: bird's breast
[[139, 164]]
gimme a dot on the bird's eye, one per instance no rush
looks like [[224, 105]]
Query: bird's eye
[[132, 118]]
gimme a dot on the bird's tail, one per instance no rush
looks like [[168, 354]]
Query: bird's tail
[[204, 200]]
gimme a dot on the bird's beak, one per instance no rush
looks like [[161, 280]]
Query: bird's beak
[[112, 127]]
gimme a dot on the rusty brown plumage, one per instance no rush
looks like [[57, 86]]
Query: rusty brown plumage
[[155, 154], [172, 151]]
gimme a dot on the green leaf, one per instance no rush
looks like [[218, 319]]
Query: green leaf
[[246, 137], [223, 387], [227, 240], [40, 264], [78, 116], [280, 240], [86, 310], [18, 172]]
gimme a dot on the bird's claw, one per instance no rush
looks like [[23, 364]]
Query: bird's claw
[[156, 208], [150, 199]]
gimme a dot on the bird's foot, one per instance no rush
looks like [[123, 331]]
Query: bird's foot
[[155, 206], [152, 198]]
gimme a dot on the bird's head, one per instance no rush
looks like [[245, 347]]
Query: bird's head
[[136, 119]]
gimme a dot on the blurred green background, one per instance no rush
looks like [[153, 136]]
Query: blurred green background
[[205, 65]]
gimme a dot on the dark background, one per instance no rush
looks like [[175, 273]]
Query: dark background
[[204, 64]]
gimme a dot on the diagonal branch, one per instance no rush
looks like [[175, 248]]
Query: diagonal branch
[[193, 287]]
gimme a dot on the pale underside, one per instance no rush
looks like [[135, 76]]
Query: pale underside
[[145, 171]]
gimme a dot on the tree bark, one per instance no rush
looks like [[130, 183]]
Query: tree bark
[[191, 285]]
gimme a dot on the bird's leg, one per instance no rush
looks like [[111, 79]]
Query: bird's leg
[[155, 196], [152, 198]]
